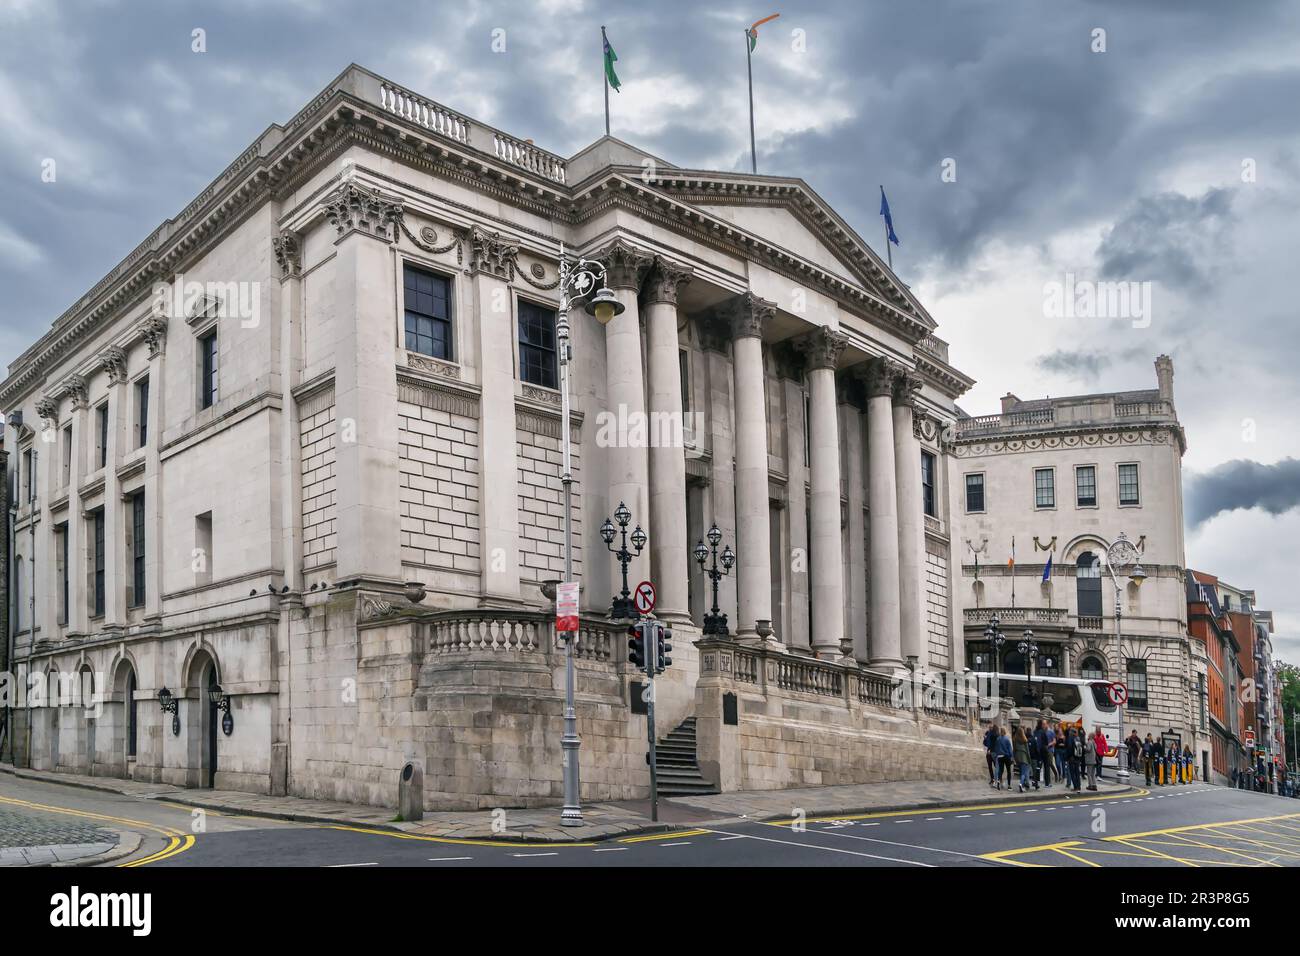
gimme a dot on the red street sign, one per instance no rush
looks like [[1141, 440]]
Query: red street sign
[[1117, 693], [644, 597], [566, 606]]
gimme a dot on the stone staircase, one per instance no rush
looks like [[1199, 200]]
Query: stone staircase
[[675, 766]]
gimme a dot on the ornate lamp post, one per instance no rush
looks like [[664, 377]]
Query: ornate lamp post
[[715, 622], [996, 639], [1028, 650], [579, 279], [1119, 556], [621, 607]]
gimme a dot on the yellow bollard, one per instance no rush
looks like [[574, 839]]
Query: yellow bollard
[[1160, 775]]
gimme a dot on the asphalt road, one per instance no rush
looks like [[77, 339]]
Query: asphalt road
[[1193, 825]]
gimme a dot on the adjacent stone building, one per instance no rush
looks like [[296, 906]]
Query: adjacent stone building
[[1058, 480], [294, 509]]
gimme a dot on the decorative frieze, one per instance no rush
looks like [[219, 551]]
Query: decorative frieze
[[433, 366], [666, 278], [822, 347], [490, 253], [357, 208], [625, 264], [449, 399]]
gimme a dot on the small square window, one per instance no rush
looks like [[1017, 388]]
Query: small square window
[[538, 358]]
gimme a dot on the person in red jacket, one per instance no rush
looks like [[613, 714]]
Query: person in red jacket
[[1100, 746]]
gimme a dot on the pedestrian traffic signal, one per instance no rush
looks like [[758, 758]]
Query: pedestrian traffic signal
[[636, 644], [665, 647]]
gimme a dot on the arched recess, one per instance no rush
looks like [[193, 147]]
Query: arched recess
[[200, 719], [125, 714]]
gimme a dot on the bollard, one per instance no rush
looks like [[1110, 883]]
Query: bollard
[[410, 792]]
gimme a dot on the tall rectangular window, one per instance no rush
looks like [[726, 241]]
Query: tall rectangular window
[[202, 559], [974, 494], [97, 562], [1085, 486], [101, 436], [61, 542], [1137, 683], [142, 413], [537, 354], [29, 476], [427, 304], [927, 485], [208, 369], [66, 462], [1128, 484], [1044, 488], [137, 550]]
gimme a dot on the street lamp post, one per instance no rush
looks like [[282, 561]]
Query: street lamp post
[[715, 622], [996, 639], [1028, 650], [621, 607], [584, 278], [1119, 556]]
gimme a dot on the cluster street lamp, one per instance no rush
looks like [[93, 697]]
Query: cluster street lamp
[[715, 622], [1121, 555], [996, 639], [621, 606], [1028, 650], [584, 278]]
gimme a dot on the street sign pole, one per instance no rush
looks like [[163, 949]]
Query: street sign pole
[[651, 665]]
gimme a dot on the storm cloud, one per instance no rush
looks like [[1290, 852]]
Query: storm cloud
[[1242, 483]]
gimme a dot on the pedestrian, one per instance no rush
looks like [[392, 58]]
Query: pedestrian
[[1148, 757], [1020, 750], [1035, 757], [1043, 742], [1189, 764], [1061, 755], [1099, 747], [1134, 748], [1075, 745], [1092, 758], [990, 739], [1005, 753]]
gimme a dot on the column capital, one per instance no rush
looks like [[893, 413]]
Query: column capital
[[75, 387], [490, 253], [665, 280], [354, 207], [48, 408], [906, 385], [878, 376], [625, 264], [747, 313], [288, 253], [822, 347], [154, 332], [113, 361]]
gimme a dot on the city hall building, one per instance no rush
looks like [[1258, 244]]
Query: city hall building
[[288, 478], [1057, 480]]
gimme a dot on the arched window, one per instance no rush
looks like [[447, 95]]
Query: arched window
[[131, 715], [1091, 668], [1087, 579]]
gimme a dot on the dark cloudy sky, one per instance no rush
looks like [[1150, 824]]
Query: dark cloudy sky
[[1173, 157]]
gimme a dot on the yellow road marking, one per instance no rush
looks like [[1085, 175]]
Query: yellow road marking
[[1002, 854], [177, 842], [457, 841], [664, 836], [1079, 858]]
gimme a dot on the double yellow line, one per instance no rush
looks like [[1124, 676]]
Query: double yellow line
[[177, 842]]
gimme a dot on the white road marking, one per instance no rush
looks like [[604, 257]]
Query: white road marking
[[448, 859], [913, 846], [902, 821], [611, 849], [830, 849], [682, 843], [335, 865], [933, 818], [963, 816], [725, 839], [533, 854]]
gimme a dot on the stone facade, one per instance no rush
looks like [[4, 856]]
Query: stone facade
[[1061, 478], [312, 462]]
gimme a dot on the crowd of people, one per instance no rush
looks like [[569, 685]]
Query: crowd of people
[[1051, 752]]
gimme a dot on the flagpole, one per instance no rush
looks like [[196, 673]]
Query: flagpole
[[1013, 571], [889, 248], [749, 66], [604, 42]]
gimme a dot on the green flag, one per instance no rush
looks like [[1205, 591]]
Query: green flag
[[610, 57]]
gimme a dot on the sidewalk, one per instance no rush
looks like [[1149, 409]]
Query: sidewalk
[[603, 820]]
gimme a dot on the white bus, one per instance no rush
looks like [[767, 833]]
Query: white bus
[[1074, 701]]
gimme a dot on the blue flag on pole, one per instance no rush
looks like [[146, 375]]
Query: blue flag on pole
[[1047, 571], [889, 220]]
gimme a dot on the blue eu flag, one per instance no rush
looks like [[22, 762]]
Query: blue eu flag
[[889, 220]]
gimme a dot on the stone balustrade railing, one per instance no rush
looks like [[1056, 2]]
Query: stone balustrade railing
[[528, 156], [519, 632], [1051, 616], [432, 116]]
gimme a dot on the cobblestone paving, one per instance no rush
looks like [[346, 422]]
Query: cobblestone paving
[[22, 828]]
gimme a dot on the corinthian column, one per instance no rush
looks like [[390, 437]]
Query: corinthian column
[[911, 528], [667, 527], [882, 504], [747, 314], [629, 469], [826, 593]]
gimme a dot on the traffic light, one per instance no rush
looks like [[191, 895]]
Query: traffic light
[[665, 647], [636, 644]]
